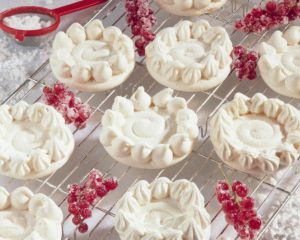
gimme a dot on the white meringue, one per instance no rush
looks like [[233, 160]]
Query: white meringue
[[279, 62], [252, 134], [190, 7], [156, 211], [149, 132], [30, 217], [94, 30], [191, 56], [36, 141], [93, 58], [77, 33]]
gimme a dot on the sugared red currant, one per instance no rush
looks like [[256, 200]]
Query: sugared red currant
[[76, 219], [73, 209], [83, 228], [255, 223], [247, 203]]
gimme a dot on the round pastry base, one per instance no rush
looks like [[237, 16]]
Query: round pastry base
[[201, 85], [191, 12], [93, 86], [280, 90], [146, 165]]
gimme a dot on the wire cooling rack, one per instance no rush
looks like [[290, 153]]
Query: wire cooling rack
[[202, 166]]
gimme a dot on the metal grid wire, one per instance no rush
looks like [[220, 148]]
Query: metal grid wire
[[202, 166]]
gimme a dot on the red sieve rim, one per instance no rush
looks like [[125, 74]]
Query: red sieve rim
[[21, 34]]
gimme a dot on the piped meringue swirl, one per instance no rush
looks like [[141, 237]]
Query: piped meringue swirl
[[28, 216], [253, 134], [35, 142], [191, 56], [279, 64], [149, 132], [92, 58], [163, 210]]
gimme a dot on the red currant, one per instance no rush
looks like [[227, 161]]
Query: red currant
[[241, 190], [101, 190], [247, 203], [76, 219], [83, 228], [223, 196], [73, 209], [111, 183], [255, 223], [85, 213]]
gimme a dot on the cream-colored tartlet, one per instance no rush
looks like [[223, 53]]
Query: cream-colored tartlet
[[256, 135], [149, 132], [191, 56], [34, 140], [162, 210], [93, 58], [190, 7], [279, 64], [28, 216]]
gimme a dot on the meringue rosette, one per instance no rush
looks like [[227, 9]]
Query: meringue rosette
[[279, 64], [93, 58], [28, 216], [149, 132], [163, 210], [190, 7], [256, 135], [34, 140], [191, 56]]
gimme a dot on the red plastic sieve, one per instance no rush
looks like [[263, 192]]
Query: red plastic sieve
[[54, 14]]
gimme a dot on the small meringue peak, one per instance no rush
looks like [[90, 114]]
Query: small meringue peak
[[278, 42], [292, 35], [168, 36], [221, 57], [180, 144], [62, 40], [111, 34], [123, 105], [162, 156], [121, 146], [20, 198], [102, 72], [141, 153], [192, 74], [141, 100], [186, 115], [18, 111], [94, 30], [161, 98], [176, 104], [107, 136], [77, 33], [209, 67], [4, 198], [160, 188], [81, 72], [183, 30], [118, 63], [199, 27]]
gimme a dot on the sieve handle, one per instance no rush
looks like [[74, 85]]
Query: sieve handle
[[61, 11]]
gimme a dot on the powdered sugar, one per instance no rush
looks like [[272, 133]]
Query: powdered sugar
[[286, 225], [16, 63], [28, 22]]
